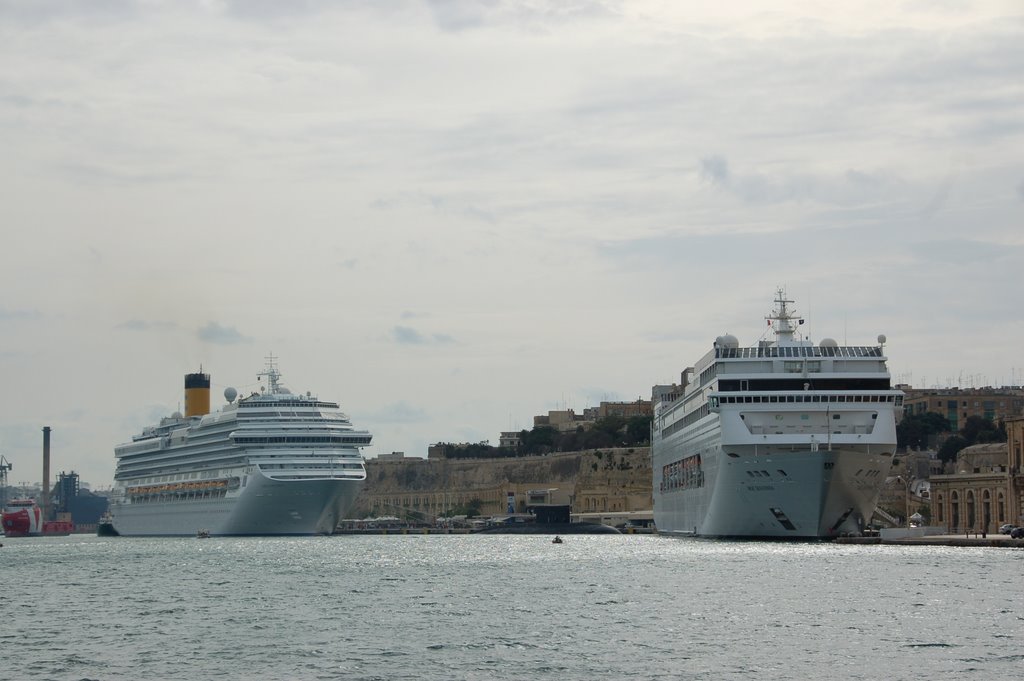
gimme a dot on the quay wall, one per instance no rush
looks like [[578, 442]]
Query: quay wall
[[590, 481]]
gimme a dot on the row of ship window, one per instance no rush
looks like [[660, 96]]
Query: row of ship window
[[297, 403], [303, 439], [760, 399], [142, 467], [179, 496], [686, 473], [798, 351], [316, 467], [199, 475], [689, 419], [334, 476]]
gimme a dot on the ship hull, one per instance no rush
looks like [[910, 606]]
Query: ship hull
[[265, 507], [797, 494], [23, 522]]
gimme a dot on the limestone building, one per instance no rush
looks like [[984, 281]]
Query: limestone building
[[568, 421], [958, 404], [986, 490]]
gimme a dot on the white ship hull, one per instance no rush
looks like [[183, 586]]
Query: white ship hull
[[782, 439], [797, 495], [271, 463], [263, 507]]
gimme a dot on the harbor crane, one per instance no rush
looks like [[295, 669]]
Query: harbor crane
[[5, 466]]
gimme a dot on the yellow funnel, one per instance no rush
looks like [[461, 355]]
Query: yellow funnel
[[197, 394]]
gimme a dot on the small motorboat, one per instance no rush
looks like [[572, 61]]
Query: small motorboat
[[203, 534], [556, 540]]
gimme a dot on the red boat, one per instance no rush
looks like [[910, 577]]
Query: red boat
[[22, 518]]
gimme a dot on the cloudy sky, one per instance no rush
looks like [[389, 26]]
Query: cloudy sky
[[451, 216]]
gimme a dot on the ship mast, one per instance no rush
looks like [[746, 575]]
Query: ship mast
[[272, 374], [782, 319]]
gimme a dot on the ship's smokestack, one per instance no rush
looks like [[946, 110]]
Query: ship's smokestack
[[46, 472], [197, 394]]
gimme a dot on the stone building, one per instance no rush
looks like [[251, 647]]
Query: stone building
[[639, 407], [983, 492], [562, 420], [920, 464], [568, 421], [958, 404], [510, 439]]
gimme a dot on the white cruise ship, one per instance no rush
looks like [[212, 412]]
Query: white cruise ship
[[271, 463], [784, 439]]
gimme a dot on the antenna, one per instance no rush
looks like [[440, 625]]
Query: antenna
[[782, 317], [807, 306], [272, 374]]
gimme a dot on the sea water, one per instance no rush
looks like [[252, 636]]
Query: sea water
[[505, 607]]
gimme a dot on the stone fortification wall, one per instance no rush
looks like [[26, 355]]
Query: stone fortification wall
[[593, 480]]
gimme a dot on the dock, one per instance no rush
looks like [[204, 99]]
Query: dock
[[973, 540]]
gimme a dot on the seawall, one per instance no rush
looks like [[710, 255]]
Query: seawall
[[590, 481]]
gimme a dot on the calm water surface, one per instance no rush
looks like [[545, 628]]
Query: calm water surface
[[500, 607]]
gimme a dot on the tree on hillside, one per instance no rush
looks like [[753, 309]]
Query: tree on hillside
[[612, 425], [474, 450], [540, 440], [952, 445], [914, 430], [585, 439], [638, 430], [977, 430], [610, 431]]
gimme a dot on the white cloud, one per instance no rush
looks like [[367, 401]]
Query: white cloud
[[18, 315], [406, 335], [222, 335], [144, 325]]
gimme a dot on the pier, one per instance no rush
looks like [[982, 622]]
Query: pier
[[972, 540]]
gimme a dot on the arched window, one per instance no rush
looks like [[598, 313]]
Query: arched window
[[972, 519], [940, 506], [954, 510], [1000, 508]]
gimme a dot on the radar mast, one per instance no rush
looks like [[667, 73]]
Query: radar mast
[[782, 319], [272, 374]]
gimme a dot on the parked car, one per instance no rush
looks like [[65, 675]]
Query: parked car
[[1017, 533], [1006, 529]]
